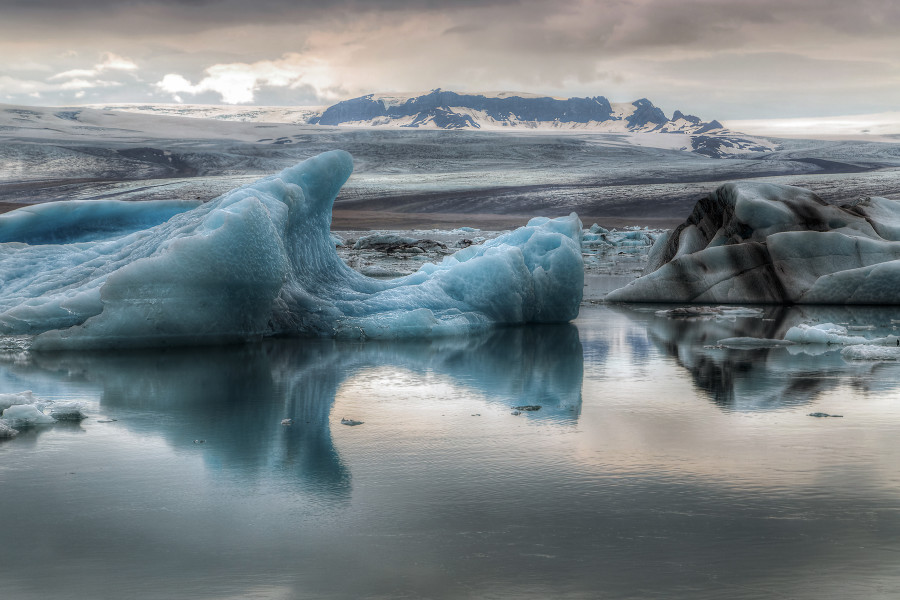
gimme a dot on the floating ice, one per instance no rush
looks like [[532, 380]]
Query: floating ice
[[24, 409], [728, 312], [828, 333], [752, 342], [25, 415], [260, 260], [6, 431], [871, 352], [765, 243]]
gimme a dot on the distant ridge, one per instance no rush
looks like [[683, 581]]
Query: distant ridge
[[492, 111], [440, 109]]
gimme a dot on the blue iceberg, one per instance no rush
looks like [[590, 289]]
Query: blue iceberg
[[259, 261]]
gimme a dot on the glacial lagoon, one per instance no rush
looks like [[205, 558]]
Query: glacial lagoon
[[659, 465]]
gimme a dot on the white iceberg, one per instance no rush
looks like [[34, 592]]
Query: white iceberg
[[25, 415], [764, 243], [832, 334], [871, 352], [259, 261]]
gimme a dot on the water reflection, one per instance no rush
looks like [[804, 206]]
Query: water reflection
[[747, 379], [233, 400]]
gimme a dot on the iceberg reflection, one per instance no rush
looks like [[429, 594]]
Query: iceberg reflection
[[233, 399], [768, 378]]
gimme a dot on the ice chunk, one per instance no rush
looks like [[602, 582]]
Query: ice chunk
[[752, 342], [260, 260], [6, 431], [829, 333], [764, 243], [25, 415], [703, 311], [67, 412], [7, 400], [871, 352]]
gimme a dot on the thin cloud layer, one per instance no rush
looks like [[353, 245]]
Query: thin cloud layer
[[719, 58]]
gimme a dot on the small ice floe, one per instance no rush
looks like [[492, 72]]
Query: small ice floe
[[350, 422], [871, 352], [6, 431], [199, 441], [67, 412], [707, 312], [528, 407], [23, 409], [25, 415], [287, 421], [14, 344], [831, 333], [822, 415], [752, 342]]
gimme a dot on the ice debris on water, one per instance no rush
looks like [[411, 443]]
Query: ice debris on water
[[260, 260], [287, 421], [350, 422], [871, 352], [704, 312], [24, 409], [752, 342], [831, 334]]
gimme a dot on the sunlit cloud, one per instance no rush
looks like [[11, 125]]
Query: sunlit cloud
[[237, 83], [110, 62]]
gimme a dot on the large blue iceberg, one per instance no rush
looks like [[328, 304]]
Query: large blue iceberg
[[259, 261]]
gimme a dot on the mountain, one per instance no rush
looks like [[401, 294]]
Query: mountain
[[441, 109], [492, 111]]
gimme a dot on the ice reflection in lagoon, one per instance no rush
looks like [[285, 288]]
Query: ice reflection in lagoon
[[656, 467]]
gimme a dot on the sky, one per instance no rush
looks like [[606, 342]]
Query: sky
[[724, 59]]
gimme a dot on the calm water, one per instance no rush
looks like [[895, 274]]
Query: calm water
[[657, 467]]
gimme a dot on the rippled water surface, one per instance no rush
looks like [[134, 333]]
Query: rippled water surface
[[658, 466]]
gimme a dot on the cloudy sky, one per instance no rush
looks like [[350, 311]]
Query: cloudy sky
[[726, 59]]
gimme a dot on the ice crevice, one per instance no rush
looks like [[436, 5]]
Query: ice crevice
[[259, 260]]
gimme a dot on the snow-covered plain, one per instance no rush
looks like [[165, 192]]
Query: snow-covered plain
[[614, 178]]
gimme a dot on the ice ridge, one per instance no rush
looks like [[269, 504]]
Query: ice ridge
[[259, 260]]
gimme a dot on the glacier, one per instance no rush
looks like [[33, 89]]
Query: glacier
[[765, 243], [260, 261]]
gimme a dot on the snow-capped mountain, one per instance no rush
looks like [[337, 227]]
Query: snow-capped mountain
[[640, 120], [441, 109]]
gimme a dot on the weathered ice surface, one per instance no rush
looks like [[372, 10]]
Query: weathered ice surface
[[775, 244], [259, 261]]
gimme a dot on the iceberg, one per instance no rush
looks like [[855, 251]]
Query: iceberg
[[260, 261], [774, 244]]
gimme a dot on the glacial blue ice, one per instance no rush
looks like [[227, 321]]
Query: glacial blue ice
[[260, 260]]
